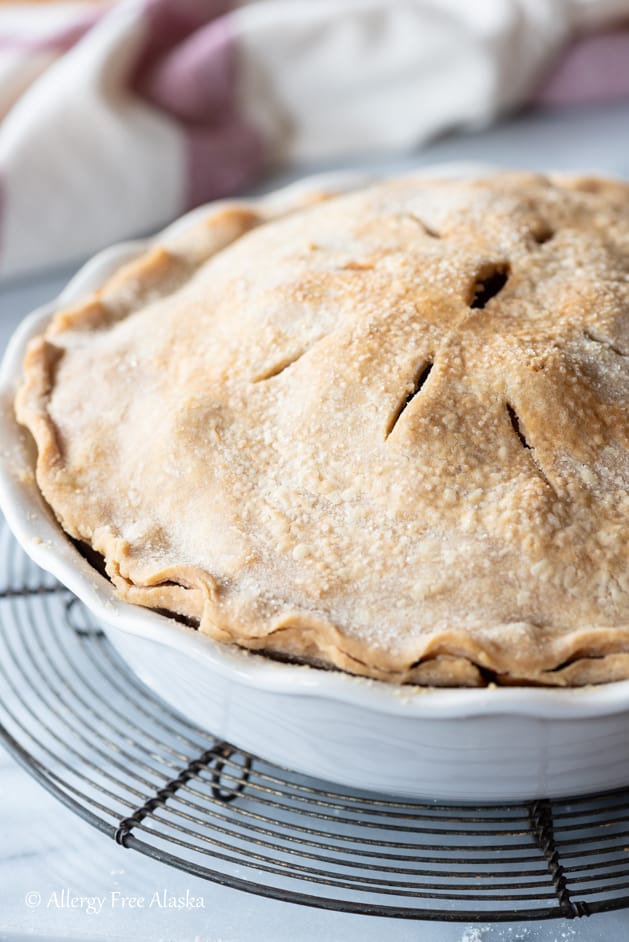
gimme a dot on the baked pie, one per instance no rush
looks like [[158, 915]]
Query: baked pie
[[386, 431]]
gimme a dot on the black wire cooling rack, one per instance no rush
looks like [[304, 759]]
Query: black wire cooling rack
[[88, 730]]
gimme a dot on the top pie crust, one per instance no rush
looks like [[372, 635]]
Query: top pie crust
[[386, 431]]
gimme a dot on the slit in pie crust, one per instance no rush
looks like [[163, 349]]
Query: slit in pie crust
[[385, 432]]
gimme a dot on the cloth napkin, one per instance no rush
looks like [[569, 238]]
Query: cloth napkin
[[117, 117]]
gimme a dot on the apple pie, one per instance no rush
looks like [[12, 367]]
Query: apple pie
[[385, 431]]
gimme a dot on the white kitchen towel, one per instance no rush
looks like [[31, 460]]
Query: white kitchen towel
[[117, 117]]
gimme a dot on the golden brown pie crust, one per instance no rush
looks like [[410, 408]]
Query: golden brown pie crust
[[387, 432]]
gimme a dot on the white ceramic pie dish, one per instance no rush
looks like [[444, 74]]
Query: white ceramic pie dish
[[493, 744]]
